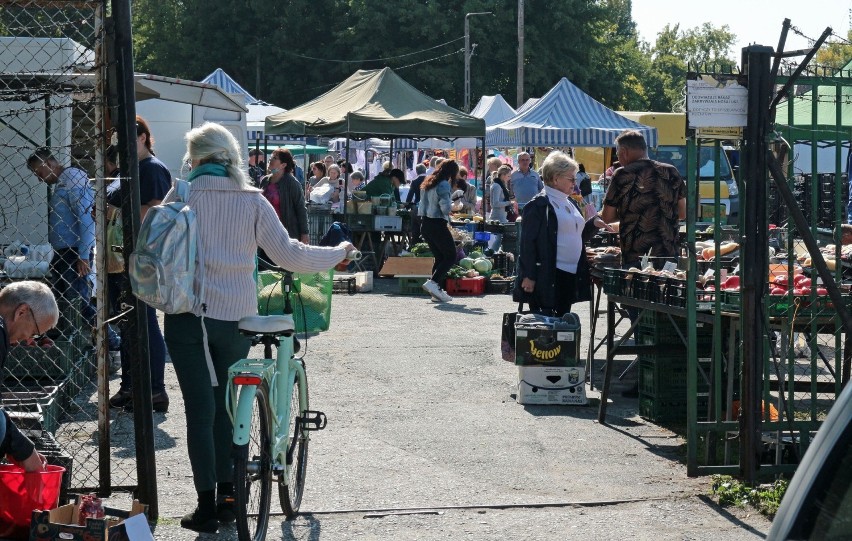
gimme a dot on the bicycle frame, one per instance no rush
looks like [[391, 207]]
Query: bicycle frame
[[280, 375]]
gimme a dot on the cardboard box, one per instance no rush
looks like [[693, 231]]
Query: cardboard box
[[61, 524], [552, 385], [547, 347], [407, 266]]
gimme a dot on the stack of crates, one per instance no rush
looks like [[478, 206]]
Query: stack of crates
[[824, 184], [663, 376]]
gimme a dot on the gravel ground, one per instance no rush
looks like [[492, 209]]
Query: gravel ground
[[425, 441]]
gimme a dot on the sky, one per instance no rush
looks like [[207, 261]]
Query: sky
[[753, 21]]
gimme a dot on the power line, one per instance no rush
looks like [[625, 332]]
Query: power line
[[429, 60], [369, 59]]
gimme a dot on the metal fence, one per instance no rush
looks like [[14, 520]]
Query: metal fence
[[805, 355], [51, 82]]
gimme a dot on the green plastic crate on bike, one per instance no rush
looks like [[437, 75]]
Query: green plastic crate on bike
[[311, 298]]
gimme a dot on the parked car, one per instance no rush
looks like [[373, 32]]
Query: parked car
[[818, 502]]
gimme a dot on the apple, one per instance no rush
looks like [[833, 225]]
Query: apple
[[778, 291], [782, 281], [806, 290], [822, 291]]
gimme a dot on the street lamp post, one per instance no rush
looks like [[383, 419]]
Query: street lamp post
[[467, 57]]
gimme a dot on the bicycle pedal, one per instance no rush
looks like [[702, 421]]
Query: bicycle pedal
[[313, 420]]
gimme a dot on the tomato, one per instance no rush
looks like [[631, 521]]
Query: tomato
[[806, 290], [822, 291], [732, 281], [778, 291], [782, 281]]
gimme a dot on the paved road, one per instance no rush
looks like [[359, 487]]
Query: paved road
[[426, 442]]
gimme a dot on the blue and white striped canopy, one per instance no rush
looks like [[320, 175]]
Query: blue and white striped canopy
[[228, 84], [565, 117]]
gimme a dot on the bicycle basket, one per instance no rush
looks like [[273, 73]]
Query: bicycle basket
[[315, 297]]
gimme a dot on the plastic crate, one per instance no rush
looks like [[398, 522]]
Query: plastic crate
[[38, 362], [499, 287], [344, 285], [462, 287], [412, 285], [655, 328], [612, 281], [666, 377], [311, 302]]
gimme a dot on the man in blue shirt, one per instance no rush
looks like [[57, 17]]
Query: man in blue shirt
[[524, 182], [71, 228]]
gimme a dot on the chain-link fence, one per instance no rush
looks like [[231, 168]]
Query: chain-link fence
[[52, 138]]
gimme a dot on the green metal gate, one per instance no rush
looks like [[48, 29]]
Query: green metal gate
[[806, 359]]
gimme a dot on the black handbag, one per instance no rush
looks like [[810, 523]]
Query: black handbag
[[507, 334]]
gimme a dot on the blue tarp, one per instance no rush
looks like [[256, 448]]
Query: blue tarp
[[565, 117]]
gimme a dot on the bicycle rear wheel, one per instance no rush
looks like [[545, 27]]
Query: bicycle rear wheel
[[290, 493], [253, 473]]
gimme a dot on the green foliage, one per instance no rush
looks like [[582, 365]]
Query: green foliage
[[289, 53], [836, 54], [764, 498]]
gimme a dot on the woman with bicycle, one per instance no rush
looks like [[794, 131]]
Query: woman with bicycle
[[233, 221]]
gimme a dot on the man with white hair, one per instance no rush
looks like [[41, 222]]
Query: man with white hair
[[525, 183], [27, 309]]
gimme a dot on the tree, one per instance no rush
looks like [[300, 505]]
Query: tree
[[676, 51], [836, 54]]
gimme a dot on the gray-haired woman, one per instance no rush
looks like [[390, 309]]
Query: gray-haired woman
[[234, 219], [552, 270]]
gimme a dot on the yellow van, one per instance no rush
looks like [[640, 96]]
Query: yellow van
[[671, 148]]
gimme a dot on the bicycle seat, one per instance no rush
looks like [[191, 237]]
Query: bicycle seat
[[275, 325]]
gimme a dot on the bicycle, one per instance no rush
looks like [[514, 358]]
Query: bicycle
[[269, 439]]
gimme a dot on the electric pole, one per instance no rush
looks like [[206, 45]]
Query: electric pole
[[520, 52]]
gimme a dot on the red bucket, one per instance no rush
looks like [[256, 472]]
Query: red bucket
[[21, 493]]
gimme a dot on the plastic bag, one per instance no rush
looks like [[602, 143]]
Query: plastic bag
[[115, 244]]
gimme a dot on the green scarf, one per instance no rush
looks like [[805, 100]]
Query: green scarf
[[212, 169]]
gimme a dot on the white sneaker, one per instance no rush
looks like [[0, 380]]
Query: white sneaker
[[443, 296], [431, 288]]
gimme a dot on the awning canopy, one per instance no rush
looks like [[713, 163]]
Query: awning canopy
[[184, 91], [375, 103], [227, 83], [493, 110], [565, 116]]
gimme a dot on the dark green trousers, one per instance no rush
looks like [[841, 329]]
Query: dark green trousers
[[209, 431]]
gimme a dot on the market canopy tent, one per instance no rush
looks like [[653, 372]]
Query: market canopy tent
[[565, 116], [493, 110], [375, 103], [526, 105]]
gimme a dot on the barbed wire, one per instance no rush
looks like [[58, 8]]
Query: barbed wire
[[840, 39]]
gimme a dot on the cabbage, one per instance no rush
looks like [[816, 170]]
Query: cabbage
[[482, 265], [467, 263], [476, 255]]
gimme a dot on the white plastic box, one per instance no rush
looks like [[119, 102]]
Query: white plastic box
[[564, 385]]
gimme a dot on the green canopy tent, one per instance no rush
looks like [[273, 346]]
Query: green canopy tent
[[376, 103]]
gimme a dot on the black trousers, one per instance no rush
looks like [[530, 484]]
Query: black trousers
[[566, 285], [437, 235]]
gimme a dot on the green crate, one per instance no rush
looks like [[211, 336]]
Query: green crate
[[666, 377], [39, 362], [612, 281], [311, 303], [668, 410], [41, 406], [412, 285]]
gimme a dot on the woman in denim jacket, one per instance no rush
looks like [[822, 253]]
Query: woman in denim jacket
[[435, 210]]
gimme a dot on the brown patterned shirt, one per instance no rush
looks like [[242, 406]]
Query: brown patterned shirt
[[645, 195]]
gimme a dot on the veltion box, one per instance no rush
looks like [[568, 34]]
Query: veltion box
[[564, 385], [547, 341]]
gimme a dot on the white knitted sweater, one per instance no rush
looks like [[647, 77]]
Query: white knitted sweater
[[232, 222]]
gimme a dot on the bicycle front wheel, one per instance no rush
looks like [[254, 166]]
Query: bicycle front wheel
[[253, 473], [290, 492]]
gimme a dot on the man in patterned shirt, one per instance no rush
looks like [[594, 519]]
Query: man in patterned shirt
[[648, 198]]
